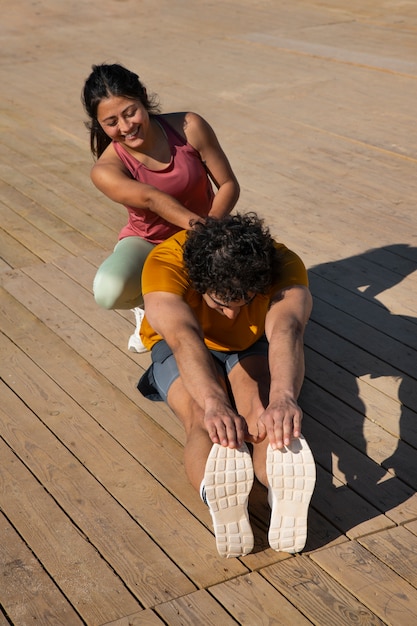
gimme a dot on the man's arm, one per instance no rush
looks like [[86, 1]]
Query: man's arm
[[284, 326], [173, 319]]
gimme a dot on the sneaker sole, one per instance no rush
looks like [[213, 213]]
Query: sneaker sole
[[291, 476], [228, 480]]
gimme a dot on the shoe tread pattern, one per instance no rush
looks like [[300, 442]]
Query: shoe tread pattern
[[228, 480], [291, 476]]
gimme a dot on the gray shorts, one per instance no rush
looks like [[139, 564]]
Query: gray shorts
[[158, 378]]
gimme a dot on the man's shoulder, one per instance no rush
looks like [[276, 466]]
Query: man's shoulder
[[173, 246], [290, 269], [164, 267]]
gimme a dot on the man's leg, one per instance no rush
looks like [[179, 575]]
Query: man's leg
[[289, 474], [224, 476], [198, 444], [249, 381]]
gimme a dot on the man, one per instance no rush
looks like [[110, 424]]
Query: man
[[226, 308]]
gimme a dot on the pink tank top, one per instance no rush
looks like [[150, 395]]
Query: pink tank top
[[185, 178]]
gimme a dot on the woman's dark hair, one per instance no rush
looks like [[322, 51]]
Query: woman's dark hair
[[103, 82], [232, 257]]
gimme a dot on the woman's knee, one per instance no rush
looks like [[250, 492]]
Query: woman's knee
[[117, 284], [111, 291]]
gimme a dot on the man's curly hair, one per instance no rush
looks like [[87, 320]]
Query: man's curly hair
[[232, 257]]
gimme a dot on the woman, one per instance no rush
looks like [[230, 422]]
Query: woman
[[161, 167]]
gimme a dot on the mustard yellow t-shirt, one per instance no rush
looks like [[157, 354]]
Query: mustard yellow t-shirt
[[164, 270]]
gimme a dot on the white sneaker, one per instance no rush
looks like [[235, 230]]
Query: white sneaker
[[135, 342], [291, 476], [228, 479]]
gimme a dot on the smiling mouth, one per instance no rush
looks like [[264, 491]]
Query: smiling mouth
[[132, 135]]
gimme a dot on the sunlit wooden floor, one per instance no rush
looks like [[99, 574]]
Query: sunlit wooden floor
[[315, 104]]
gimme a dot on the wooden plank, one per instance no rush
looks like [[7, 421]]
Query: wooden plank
[[62, 199], [395, 357], [250, 599], [116, 366], [368, 410], [363, 409], [347, 239], [105, 403], [390, 546], [360, 363], [30, 237], [359, 280], [80, 300], [161, 515], [110, 529], [43, 209], [357, 162], [4, 267], [365, 307], [359, 399], [27, 593], [382, 590], [143, 618], [65, 554], [323, 600], [345, 509], [195, 608], [383, 490], [339, 401], [111, 326], [64, 146], [13, 253], [40, 218], [82, 271], [65, 166], [3, 620], [321, 532], [412, 527]]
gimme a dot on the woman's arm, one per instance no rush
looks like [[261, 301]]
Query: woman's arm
[[203, 138], [111, 178]]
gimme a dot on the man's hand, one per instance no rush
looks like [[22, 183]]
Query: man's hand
[[281, 421], [225, 426]]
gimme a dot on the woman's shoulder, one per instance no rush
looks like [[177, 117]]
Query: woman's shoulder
[[108, 155], [108, 159], [185, 123]]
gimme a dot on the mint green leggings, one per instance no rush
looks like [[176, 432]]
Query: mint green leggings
[[118, 282]]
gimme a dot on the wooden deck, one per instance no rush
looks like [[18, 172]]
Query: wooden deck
[[315, 103]]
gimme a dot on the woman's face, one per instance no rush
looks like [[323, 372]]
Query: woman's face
[[123, 120]]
